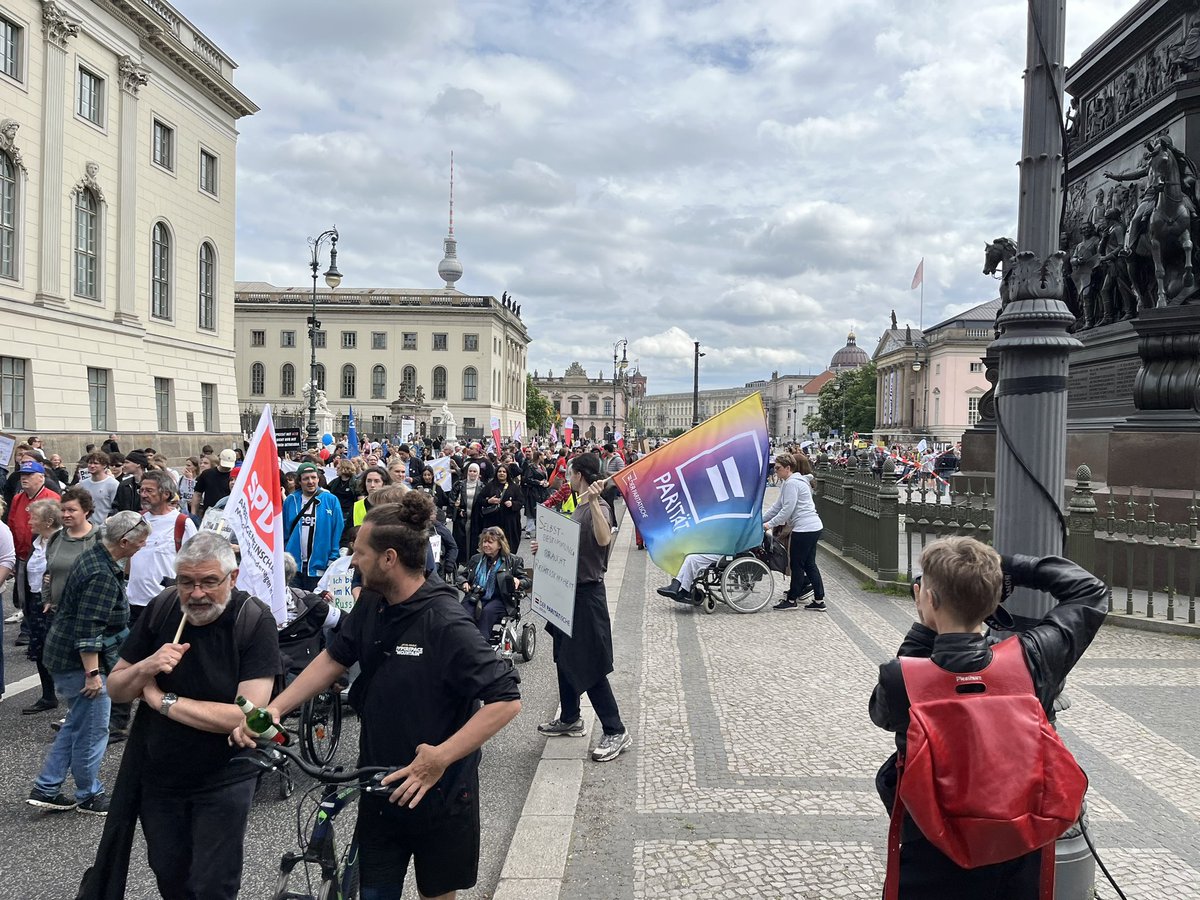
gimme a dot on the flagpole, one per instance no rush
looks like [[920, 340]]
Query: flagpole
[[921, 318]]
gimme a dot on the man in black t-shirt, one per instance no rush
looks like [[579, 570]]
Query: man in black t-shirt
[[195, 795], [213, 484]]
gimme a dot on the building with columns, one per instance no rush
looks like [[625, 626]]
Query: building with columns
[[593, 404], [118, 142]]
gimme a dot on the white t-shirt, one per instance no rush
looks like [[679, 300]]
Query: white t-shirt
[[156, 560]]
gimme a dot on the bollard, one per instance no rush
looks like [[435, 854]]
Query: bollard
[[1074, 865]]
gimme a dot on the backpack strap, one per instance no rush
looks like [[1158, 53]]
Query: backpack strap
[[891, 882], [1046, 883]]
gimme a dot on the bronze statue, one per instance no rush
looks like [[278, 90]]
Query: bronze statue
[[999, 261], [1084, 272]]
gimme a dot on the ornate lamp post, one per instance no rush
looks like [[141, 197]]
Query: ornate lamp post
[[922, 362], [332, 278], [696, 384], [623, 344]]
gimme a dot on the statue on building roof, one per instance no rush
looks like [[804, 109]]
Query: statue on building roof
[[894, 325], [576, 369]]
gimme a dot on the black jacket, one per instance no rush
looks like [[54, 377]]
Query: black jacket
[[346, 493], [511, 566], [128, 496]]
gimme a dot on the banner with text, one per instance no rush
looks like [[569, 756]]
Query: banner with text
[[441, 472], [702, 492], [254, 513], [554, 569]]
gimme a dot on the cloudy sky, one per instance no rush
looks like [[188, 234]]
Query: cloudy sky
[[758, 175]]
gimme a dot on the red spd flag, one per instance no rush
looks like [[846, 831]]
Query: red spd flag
[[255, 516], [919, 275]]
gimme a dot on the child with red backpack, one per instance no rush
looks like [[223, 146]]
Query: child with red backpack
[[980, 785]]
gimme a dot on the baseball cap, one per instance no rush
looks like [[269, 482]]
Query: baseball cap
[[29, 468], [306, 467], [228, 458]]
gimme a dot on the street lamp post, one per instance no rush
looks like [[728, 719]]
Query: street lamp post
[[922, 362], [623, 344], [696, 385], [332, 278]]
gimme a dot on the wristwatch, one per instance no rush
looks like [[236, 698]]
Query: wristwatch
[[168, 701], [93, 673]]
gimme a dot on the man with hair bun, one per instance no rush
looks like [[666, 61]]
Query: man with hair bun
[[416, 646]]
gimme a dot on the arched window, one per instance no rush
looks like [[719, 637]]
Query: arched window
[[208, 288], [409, 381], [470, 383], [160, 272], [87, 238], [8, 217], [258, 379], [320, 376], [349, 380], [378, 383], [287, 380], [439, 383]]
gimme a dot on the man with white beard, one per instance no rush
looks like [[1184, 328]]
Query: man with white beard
[[193, 797]]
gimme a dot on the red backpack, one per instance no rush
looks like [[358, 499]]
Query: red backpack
[[984, 776]]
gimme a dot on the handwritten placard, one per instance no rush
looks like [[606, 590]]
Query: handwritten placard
[[554, 569], [7, 442], [338, 579]]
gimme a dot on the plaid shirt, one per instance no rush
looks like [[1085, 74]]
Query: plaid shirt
[[92, 614]]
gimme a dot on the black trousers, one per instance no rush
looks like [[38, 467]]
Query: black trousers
[[39, 624], [119, 715], [194, 841], [802, 554], [603, 702], [928, 874]]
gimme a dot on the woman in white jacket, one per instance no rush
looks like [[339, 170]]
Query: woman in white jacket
[[795, 507]]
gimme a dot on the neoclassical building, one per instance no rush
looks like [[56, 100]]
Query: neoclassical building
[[594, 404], [118, 139]]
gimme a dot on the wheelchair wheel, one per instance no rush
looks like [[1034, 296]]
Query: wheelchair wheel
[[747, 585], [708, 603], [528, 641], [321, 727]]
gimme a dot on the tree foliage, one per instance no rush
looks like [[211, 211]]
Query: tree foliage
[[539, 414], [849, 400]]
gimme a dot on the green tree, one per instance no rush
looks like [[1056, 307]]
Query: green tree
[[539, 414], [846, 404]]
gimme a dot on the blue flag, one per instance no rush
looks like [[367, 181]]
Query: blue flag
[[352, 439]]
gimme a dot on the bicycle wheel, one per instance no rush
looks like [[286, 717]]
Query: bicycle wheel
[[321, 727], [747, 585]]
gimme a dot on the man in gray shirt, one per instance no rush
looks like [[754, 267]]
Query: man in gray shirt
[[101, 485]]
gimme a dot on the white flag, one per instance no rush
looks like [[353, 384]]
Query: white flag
[[255, 516]]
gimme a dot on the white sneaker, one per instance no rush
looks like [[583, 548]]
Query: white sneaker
[[13, 619]]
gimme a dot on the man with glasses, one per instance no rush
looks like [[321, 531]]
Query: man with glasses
[[193, 795]]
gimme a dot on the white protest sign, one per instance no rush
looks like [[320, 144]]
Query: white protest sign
[[441, 472], [7, 442], [331, 474], [337, 580], [408, 429], [554, 569]]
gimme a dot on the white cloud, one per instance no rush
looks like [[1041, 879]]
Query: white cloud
[[661, 170]]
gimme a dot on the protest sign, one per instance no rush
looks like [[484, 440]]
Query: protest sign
[[441, 472], [337, 580], [554, 569], [7, 442]]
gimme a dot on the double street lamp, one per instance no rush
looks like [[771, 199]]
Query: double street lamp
[[332, 278], [623, 345]]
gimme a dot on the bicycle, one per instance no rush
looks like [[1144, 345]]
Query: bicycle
[[339, 873]]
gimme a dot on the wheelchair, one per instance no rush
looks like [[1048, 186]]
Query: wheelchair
[[513, 637], [744, 581]]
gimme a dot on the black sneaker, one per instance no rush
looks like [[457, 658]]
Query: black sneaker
[[559, 728], [816, 606], [57, 726], [785, 603], [805, 595], [117, 735], [41, 706], [95, 805], [54, 802]]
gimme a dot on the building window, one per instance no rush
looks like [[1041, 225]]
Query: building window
[[98, 398], [87, 213], [378, 425], [439, 383], [258, 379], [164, 145], [976, 367], [8, 213], [207, 318], [349, 380], [12, 391], [591, 407], [320, 376], [468, 422], [160, 275], [410, 340], [208, 173], [91, 97], [287, 339], [258, 339], [470, 343], [558, 406], [319, 340], [470, 383], [287, 380], [349, 340], [972, 410], [378, 383], [574, 407], [378, 340], [208, 406], [11, 36], [441, 341], [408, 381], [162, 403], [608, 409]]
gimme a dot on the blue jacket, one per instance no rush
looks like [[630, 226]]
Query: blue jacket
[[328, 530]]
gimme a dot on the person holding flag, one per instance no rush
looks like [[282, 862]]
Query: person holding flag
[[313, 524]]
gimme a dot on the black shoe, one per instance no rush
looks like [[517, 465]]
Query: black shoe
[[559, 728], [117, 735], [41, 706], [816, 606], [22, 640], [672, 591], [786, 603], [95, 805], [54, 802]]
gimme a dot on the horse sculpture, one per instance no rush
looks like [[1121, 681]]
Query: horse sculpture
[[1170, 227]]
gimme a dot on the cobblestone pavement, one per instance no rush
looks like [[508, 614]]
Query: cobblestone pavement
[[753, 761]]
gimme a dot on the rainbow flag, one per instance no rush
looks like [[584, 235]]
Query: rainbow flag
[[702, 492]]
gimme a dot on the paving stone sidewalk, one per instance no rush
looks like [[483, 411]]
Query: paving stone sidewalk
[[753, 761]]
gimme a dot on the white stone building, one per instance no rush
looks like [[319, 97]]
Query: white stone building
[[117, 203], [593, 404]]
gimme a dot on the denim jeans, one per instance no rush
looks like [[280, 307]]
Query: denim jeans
[[79, 745]]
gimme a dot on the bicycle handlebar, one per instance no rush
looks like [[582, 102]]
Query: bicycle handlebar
[[269, 755]]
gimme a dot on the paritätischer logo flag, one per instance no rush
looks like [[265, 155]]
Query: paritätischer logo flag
[[702, 492]]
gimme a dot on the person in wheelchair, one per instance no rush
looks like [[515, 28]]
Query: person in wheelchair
[[680, 588], [491, 581], [310, 620]]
